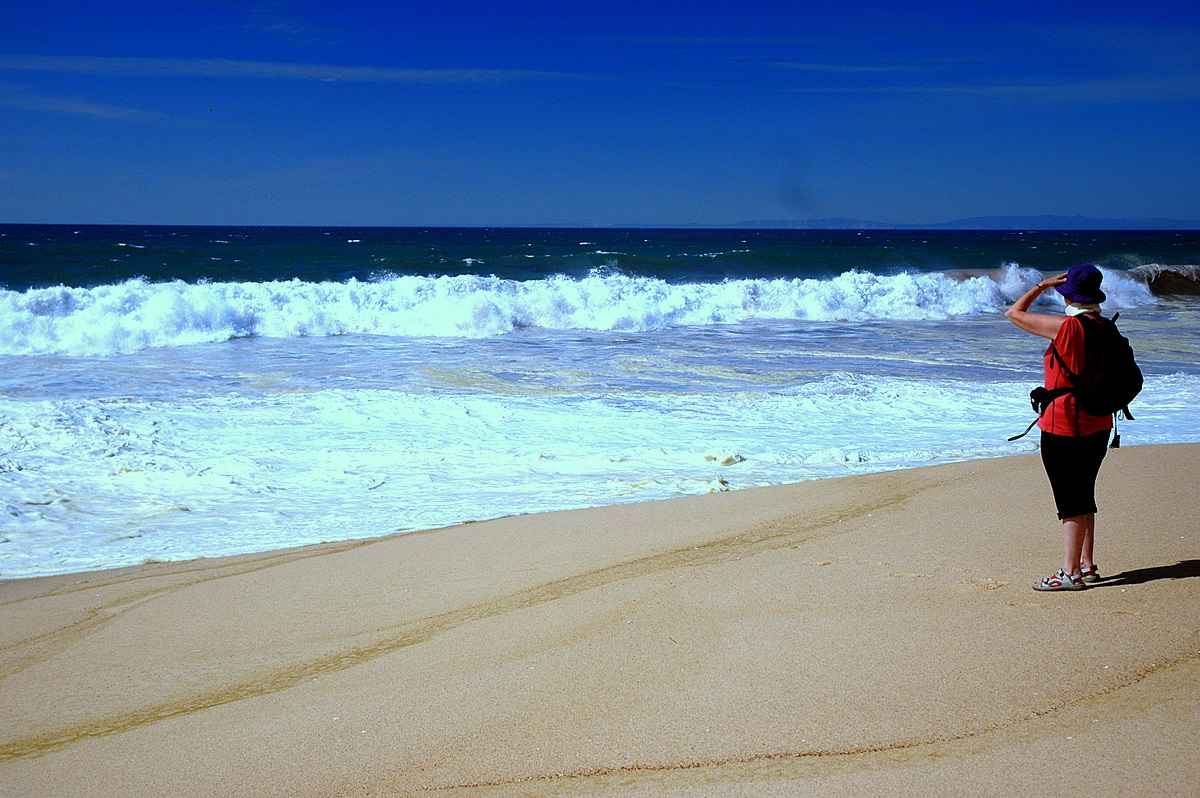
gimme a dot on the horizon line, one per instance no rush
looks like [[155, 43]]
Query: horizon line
[[1038, 222]]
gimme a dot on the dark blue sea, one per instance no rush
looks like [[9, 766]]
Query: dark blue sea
[[42, 256]]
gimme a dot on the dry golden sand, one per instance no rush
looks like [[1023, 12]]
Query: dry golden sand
[[872, 635]]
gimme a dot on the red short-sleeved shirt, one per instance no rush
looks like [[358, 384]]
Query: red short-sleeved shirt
[[1063, 416]]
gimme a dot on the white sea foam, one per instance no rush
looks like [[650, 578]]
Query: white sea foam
[[94, 483], [136, 314]]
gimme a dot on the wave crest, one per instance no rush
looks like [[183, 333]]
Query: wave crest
[[136, 314]]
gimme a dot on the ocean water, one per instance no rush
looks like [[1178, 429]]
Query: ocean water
[[172, 393]]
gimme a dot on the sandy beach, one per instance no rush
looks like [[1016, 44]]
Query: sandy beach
[[868, 635]]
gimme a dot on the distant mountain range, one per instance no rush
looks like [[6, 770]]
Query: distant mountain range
[[982, 223]]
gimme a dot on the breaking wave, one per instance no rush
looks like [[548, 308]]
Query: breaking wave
[[138, 314]]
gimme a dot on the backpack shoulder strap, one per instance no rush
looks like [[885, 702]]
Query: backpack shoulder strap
[[1091, 322], [1062, 363]]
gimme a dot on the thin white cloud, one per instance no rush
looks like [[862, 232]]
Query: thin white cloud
[[845, 68], [1114, 90], [275, 21], [15, 97], [225, 68], [702, 41]]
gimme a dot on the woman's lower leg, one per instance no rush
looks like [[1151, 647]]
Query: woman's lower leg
[[1089, 536], [1075, 533]]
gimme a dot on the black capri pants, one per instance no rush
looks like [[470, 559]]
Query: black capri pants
[[1072, 464]]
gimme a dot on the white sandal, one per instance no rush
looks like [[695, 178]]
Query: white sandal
[[1061, 581]]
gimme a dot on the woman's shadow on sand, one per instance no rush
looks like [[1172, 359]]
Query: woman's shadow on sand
[[1185, 569]]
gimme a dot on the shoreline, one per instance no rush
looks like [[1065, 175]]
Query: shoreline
[[853, 634]]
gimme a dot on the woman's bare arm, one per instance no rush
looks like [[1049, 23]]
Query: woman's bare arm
[[1037, 323]]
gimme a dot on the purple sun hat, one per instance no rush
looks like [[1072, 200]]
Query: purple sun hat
[[1083, 285]]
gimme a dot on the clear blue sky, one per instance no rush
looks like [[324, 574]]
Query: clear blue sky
[[595, 113]]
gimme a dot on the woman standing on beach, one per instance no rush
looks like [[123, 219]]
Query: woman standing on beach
[[1073, 442]]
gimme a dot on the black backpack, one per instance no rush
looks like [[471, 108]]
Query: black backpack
[[1110, 378]]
